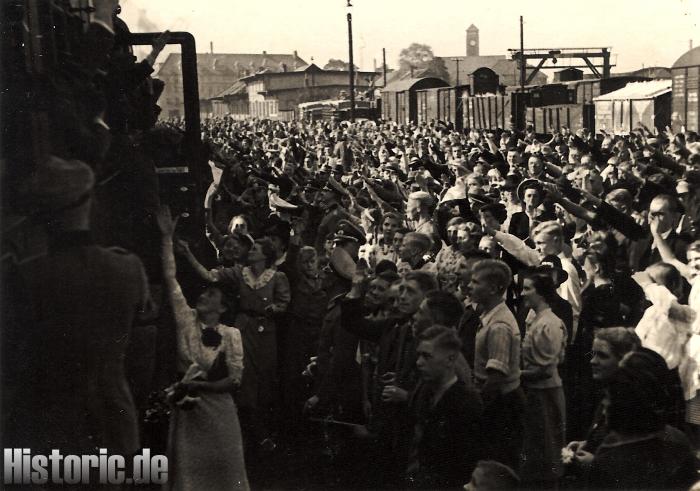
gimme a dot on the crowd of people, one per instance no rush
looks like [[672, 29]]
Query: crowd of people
[[478, 297], [440, 307]]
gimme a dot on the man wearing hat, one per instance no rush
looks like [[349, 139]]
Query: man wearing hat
[[330, 203], [338, 374], [531, 194], [509, 197], [65, 347]]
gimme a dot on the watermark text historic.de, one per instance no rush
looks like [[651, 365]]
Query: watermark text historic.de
[[20, 466]]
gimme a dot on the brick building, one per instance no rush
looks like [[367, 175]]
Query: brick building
[[276, 95], [217, 72]]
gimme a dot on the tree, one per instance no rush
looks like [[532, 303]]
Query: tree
[[420, 60], [335, 64], [416, 56]]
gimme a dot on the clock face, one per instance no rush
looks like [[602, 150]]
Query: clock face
[[472, 43]]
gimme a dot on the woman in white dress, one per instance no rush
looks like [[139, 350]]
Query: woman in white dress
[[204, 446]]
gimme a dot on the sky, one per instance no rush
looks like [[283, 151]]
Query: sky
[[640, 32]]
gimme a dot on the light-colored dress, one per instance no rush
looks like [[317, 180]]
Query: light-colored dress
[[543, 348], [205, 446], [689, 368], [666, 325]]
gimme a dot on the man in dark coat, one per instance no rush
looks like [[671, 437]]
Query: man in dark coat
[[445, 442], [333, 211], [396, 367], [63, 359]]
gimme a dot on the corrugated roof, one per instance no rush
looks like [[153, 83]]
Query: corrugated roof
[[689, 58], [406, 84], [638, 90]]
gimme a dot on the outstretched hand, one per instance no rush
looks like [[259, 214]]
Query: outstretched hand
[[166, 224]]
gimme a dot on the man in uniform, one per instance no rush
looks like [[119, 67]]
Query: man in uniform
[[338, 372], [63, 360], [329, 202]]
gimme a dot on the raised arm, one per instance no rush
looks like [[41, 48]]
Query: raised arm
[[204, 273], [571, 207], [665, 251], [184, 316], [515, 246]]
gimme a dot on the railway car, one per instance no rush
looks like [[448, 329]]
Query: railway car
[[441, 103], [574, 116], [487, 111], [686, 84], [584, 91], [648, 103], [400, 99]]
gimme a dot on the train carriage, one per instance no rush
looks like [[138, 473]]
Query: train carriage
[[400, 98], [443, 104], [488, 111], [648, 103], [686, 85]]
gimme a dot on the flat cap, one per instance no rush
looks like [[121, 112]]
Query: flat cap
[[59, 184]]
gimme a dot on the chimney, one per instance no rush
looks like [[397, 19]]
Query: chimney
[[264, 53], [295, 54], [211, 47], [690, 44], [374, 63]]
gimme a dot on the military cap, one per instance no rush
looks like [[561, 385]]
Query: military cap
[[348, 231], [61, 184]]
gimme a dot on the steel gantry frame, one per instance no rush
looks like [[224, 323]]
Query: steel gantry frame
[[544, 54]]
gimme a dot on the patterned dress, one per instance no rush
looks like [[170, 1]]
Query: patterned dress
[[259, 332]]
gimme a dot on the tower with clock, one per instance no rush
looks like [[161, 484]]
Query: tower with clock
[[472, 41]]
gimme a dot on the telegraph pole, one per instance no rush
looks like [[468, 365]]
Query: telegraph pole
[[384, 64], [352, 69], [456, 60], [522, 56]]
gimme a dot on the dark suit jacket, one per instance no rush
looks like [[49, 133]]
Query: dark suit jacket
[[445, 443], [643, 256], [520, 223]]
